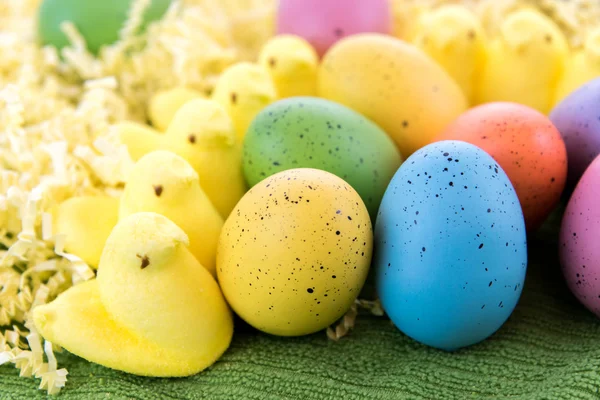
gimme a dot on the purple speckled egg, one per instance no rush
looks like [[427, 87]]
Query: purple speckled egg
[[579, 244], [577, 118], [324, 22]]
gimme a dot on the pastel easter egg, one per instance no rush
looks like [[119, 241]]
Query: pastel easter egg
[[577, 117], [99, 22], [308, 132], [579, 233], [324, 22], [295, 252], [450, 242], [526, 145], [394, 84]]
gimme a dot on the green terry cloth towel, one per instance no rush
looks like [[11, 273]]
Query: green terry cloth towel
[[548, 349]]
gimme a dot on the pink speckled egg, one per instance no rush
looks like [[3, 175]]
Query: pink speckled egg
[[324, 22], [579, 233]]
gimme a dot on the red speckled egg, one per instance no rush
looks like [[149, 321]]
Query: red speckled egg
[[526, 145], [579, 233]]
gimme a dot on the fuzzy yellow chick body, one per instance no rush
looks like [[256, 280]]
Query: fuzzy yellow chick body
[[202, 133], [153, 309], [581, 67], [164, 104], [86, 223], [164, 183], [140, 139], [292, 63], [453, 36], [525, 63], [244, 89]]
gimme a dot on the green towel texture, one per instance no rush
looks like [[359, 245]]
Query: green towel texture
[[548, 349]]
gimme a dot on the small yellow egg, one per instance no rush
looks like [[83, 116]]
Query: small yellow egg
[[295, 252], [292, 63]]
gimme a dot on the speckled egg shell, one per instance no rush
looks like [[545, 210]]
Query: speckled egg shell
[[324, 22], [579, 238], [526, 145], [450, 242], [395, 85], [577, 118], [295, 252], [307, 132]]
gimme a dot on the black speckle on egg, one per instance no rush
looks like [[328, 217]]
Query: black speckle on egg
[[400, 259]]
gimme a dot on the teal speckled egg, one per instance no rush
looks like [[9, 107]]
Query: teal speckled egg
[[308, 132], [98, 21]]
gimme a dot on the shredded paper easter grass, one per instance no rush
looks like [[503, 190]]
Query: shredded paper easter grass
[[57, 141]]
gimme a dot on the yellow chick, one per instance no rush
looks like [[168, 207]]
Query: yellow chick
[[244, 89], [153, 309], [292, 63], [453, 36], [164, 183], [582, 67], [140, 139], [86, 221], [164, 104], [525, 62], [202, 133]]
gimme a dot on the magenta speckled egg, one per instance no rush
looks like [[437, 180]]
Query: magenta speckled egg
[[579, 248], [324, 22]]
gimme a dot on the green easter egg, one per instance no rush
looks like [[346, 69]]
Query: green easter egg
[[99, 21], [308, 132]]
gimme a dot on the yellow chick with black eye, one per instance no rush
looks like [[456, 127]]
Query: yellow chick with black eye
[[164, 105], [524, 64], [292, 63], [453, 36], [153, 310], [582, 67], [164, 183], [244, 89], [202, 133]]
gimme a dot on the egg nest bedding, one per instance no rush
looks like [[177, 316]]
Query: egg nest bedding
[[56, 142], [548, 349]]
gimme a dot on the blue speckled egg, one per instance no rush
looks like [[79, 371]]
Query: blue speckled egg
[[451, 248]]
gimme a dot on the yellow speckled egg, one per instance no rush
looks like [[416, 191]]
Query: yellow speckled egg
[[295, 252], [394, 84]]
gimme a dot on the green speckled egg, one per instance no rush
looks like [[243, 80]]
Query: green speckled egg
[[99, 21], [308, 132]]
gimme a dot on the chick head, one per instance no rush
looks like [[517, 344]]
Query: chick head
[[244, 89], [292, 63], [201, 123]]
